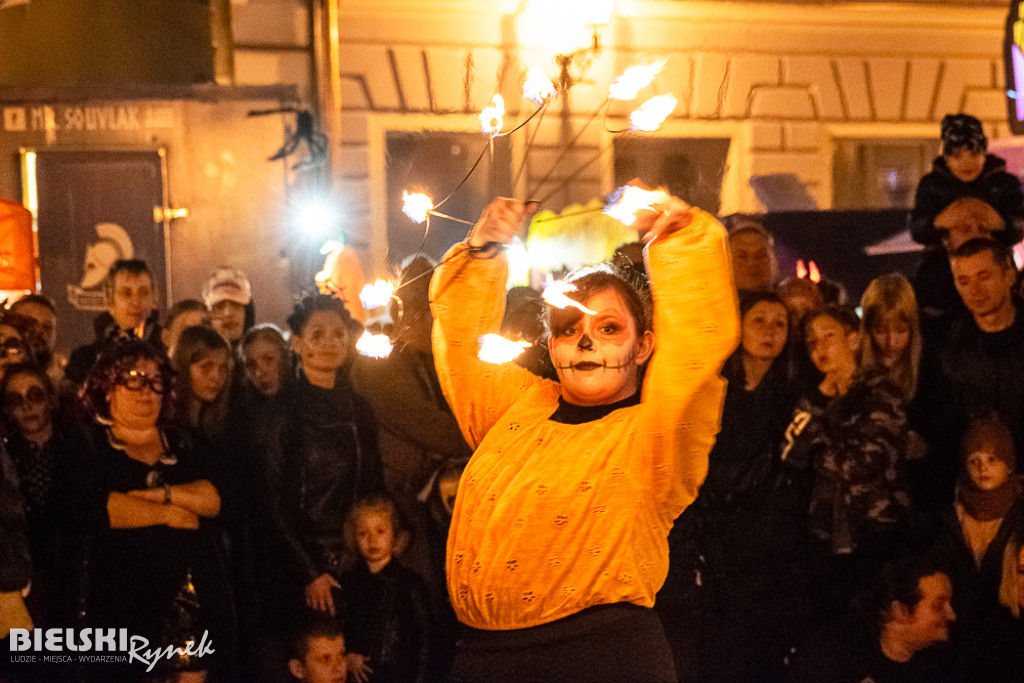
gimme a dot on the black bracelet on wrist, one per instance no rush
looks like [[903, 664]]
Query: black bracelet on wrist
[[488, 250]]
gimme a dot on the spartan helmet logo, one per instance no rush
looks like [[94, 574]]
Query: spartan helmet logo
[[114, 243]]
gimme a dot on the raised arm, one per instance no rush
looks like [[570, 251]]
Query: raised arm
[[467, 297], [696, 327]]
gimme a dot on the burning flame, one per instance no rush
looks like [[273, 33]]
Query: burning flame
[[538, 87], [496, 349], [376, 295], [374, 345], [555, 294], [491, 117], [416, 206], [627, 201], [801, 269], [652, 112], [627, 85], [815, 274]]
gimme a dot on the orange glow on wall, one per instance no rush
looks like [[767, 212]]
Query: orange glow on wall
[[17, 253]]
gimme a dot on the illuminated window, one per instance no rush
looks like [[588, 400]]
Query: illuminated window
[[880, 174]]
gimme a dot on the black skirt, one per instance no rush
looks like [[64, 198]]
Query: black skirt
[[606, 643]]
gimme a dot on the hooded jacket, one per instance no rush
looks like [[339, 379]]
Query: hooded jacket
[[994, 185]]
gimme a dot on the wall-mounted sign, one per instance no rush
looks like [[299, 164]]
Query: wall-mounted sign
[[115, 117]]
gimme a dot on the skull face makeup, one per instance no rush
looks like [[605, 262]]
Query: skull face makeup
[[598, 357]]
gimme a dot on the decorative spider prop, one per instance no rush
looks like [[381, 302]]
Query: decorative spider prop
[[305, 131]]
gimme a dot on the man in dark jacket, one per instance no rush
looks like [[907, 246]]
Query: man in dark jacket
[[968, 194], [909, 616], [983, 358], [131, 300]]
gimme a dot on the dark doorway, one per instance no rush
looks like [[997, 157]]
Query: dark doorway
[[434, 163], [95, 207]]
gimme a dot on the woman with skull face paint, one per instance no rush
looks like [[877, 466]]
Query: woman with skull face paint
[[38, 448], [558, 542]]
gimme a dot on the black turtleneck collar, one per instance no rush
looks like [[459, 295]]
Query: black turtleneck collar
[[570, 414]]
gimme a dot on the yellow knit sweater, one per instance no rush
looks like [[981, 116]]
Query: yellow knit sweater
[[552, 518]]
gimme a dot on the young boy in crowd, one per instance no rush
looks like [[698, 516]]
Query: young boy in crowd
[[386, 613], [318, 651]]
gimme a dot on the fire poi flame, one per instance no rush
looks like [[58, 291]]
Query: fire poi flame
[[376, 295], [416, 206], [491, 118], [556, 295], [652, 113], [628, 200], [538, 87], [629, 83], [496, 349], [374, 345], [813, 274]]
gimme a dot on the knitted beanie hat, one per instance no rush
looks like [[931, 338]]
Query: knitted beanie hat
[[990, 434], [962, 131]]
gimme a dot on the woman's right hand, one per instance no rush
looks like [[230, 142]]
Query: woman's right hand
[[180, 518], [498, 223]]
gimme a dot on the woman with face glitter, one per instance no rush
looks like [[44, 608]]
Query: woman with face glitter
[[558, 542]]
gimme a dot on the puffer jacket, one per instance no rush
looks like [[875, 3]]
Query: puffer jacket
[[940, 188]]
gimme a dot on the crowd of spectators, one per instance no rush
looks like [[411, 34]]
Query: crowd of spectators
[[272, 489]]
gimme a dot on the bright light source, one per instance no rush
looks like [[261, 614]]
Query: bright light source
[[628, 200], [627, 85], [652, 113], [416, 206], [492, 117], [556, 295], [317, 217], [597, 12], [376, 295], [538, 87], [496, 349], [374, 345]]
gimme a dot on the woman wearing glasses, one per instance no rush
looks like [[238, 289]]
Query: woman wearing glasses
[[35, 444], [143, 504]]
